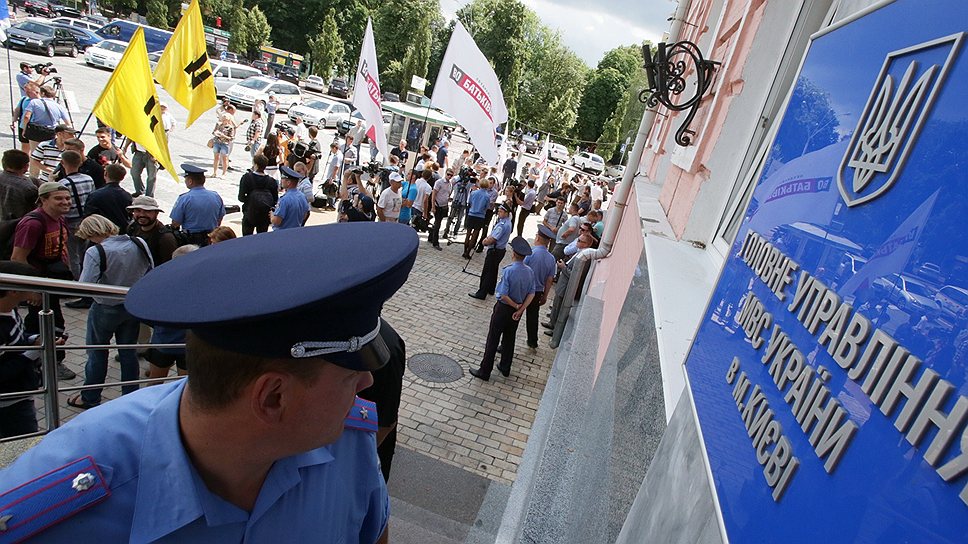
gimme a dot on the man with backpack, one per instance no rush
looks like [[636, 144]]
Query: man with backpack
[[80, 186], [161, 241], [258, 193], [112, 259]]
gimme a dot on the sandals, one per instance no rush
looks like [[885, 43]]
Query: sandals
[[77, 402]]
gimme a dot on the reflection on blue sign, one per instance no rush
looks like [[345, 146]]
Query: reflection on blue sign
[[830, 375]]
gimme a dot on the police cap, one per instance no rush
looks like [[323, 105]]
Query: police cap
[[521, 246]]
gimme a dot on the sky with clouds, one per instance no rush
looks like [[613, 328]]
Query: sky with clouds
[[592, 27]]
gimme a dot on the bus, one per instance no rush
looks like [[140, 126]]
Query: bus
[[155, 38]]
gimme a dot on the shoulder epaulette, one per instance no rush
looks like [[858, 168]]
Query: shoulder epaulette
[[50, 499], [362, 416]]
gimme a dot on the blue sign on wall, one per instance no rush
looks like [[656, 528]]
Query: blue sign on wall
[[830, 375]]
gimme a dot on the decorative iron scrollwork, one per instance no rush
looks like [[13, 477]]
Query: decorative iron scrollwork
[[667, 72]]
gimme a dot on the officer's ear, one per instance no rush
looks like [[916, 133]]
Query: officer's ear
[[270, 395]]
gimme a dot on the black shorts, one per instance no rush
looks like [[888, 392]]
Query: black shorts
[[474, 222], [165, 360], [20, 136]]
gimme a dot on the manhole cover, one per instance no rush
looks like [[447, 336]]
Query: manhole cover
[[436, 368]]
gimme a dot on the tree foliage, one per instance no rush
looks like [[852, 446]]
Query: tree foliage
[[250, 30], [402, 28], [416, 59], [602, 94], [552, 84], [326, 48], [157, 13], [815, 123]]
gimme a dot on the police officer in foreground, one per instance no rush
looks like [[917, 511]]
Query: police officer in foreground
[[496, 245], [265, 441], [514, 292], [197, 212]]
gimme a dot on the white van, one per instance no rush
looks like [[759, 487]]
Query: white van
[[557, 152], [228, 74], [247, 91]]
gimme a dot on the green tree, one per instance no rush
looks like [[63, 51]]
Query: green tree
[[157, 13], [440, 32], [626, 59], [418, 55], [326, 48], [551, 85], [604, 89], [402, 27], [351, 18], [250, 31], [608, 143]]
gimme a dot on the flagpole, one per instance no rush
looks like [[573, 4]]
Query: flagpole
[[10, 85]]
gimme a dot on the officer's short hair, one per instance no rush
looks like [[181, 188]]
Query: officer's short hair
[[218, 376]]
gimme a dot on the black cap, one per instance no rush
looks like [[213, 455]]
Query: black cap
[[315, 306], [505, 207], [521, 246]]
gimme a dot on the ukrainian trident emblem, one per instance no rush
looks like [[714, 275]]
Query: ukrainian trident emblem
[[896, 110]]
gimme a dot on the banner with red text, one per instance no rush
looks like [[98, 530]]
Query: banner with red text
[[366, 93]]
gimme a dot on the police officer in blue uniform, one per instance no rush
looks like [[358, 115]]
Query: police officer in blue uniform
[[197, 212], [266, 440], [544, 266], [514, 292], [497, 247]]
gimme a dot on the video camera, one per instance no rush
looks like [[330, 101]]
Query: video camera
[[45, 68], [467, 173]]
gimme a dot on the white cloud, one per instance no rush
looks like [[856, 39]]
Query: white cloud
[[592, 27]]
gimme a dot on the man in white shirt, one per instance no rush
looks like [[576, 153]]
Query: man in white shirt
[[439, 199], [388, 205], [421, 205], [301, 130]]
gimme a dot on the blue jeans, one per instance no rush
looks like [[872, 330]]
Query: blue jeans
[[103, 322], [141, 161]]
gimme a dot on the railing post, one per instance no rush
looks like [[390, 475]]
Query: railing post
[[571, 289], [48, 357]]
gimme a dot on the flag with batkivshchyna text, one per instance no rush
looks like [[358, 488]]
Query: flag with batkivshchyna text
[[504, 152], [183, 69], [467, 88], [129, 102], [366, 93]]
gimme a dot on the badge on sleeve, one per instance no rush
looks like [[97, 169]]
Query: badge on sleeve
[[45, 501], [362, 416]]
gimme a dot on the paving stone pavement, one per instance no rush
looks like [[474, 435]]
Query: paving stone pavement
[[481, 427]]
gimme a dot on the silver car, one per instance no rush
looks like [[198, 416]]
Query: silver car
[[320, 113]]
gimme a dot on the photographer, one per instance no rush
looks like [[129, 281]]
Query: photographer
[[27, 75], [463, 184], [357, 204]]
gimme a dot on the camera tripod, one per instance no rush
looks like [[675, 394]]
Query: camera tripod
[[61, 97]]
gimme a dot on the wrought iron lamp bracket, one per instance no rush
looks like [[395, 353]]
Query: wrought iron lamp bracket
[[667, 72]]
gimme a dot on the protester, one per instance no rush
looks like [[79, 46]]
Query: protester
[[220, 234], [18, 193], [40, 240], [476, 214], [105, 152], [222, 136], [113, 259], [141, 160], [42, 115], [388, 206], [159, 237], [258, 194], [112, 200], [45, 157], [90, 166], [439, 198], [30, 91], [80, 186]]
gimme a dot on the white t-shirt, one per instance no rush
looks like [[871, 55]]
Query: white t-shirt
[[597, 192], [423, 190], [390, 202]]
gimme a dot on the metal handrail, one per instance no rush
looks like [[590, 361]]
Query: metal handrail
[[48, 348], [572, 290]]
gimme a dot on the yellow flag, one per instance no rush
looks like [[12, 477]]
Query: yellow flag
[[129, 103], [183, 69]]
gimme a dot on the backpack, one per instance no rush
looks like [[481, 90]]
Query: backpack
[[260, 200], [8, 231], [137, 241]]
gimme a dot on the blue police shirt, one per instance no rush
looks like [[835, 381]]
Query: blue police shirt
[[330, 494], [543, 264], [198, 210], [478, 203], [292, 208], [501, 233], [517, 282]]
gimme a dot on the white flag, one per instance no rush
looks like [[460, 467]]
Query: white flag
[[366, 93], [467, 89], [503, 154]]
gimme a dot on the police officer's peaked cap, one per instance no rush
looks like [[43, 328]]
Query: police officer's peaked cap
[[290, 173], [295, 293], [521, 246], [191, 169], [546, 232]]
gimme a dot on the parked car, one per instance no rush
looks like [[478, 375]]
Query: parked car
[[530, 143], [906, 293], [227, 74], [931, 272], [286, 73], [77, 23], [42, 38], [153, 59], [338, 87], [228, 56], [261, 66], [953, 301], [64, 10], [345, 126], [246, 92], [85, 38], [390, 97], [321, 113], [155, 38], [38, 7], [589, 162], [106, 54], [557, 152], [615, 170], [315, 83]]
